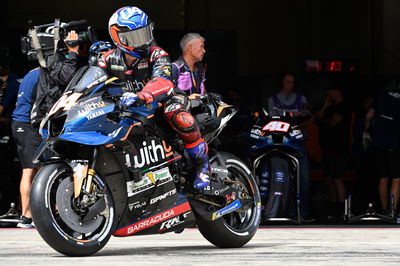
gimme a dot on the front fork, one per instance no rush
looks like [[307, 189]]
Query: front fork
[[84, 172]]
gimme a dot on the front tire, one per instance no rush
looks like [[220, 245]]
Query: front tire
[[60, 222], [237, 228]]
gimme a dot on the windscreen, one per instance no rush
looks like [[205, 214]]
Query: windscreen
[[93, 76]]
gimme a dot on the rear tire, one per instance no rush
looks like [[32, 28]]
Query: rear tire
[[235, 229], [67, 233]]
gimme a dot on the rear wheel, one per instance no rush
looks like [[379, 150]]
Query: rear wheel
[[74, 227], [236, 228]]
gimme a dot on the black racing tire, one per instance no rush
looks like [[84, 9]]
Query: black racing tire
[[64, 236], [234, 230]]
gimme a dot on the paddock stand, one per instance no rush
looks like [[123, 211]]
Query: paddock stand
[[297, 219], [370, 214], [12, 216]]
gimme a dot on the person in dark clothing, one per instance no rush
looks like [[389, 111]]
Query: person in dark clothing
[[9, 171], [42, 87], [146, 68], [383, 125], [362, 156], [54, 79], [27, 139], [8, 93], [334, 121], [291, 101]]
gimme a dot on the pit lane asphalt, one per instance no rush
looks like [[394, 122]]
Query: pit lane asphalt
[[270, 246]]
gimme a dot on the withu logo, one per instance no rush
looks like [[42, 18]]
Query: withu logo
[[149, 154]]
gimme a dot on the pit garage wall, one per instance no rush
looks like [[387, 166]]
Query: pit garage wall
[[270, 36]]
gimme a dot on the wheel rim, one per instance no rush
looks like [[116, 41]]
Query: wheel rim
[[240, 221], [71, 222]]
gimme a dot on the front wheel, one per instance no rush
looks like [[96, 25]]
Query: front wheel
[[73, 226], [237, 228]]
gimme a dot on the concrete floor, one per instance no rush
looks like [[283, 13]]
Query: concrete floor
[[271, 246]]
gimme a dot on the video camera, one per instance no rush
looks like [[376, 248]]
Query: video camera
[[43, 40]]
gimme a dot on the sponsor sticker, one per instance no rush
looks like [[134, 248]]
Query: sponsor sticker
[[256, 131], [279, 177], [156, 54], [97, 81], [276, 126], [174, 221], [136, 205], [91, 106], [117, 67], [95, 114], [231, 207], [163, 196], [155, 219], [143, 65], [115, 132], [149, 154], [167, 70], [148, 181]]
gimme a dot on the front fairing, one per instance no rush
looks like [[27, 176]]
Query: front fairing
[[87, 112], [95, 121], [87, 123], [86, 80], [275, 131]]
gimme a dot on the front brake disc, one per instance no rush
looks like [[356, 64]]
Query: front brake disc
[[64, 200]]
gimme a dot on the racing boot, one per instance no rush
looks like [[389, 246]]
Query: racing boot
[[198, 153]]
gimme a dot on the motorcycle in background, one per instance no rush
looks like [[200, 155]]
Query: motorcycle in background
[[274, 148]]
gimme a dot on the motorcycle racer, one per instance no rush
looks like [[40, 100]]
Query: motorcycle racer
[[146, 68]]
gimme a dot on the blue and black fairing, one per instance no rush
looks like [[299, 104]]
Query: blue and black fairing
[[261, 139], [88, 121]]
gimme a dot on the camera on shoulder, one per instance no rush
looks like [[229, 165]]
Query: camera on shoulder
[[43, 40]]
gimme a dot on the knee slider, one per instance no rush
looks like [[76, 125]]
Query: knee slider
[[184, 121]]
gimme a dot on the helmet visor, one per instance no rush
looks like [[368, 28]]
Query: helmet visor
[[137, 37]]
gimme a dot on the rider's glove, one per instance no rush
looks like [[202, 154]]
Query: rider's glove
[[129, 99]]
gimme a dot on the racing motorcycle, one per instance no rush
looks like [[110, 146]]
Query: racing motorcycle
[[274, 148], [109, 171]]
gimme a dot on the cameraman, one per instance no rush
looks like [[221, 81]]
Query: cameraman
[[54, 79]]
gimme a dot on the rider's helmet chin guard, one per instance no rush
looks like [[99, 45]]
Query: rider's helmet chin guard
[[131, 30]]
